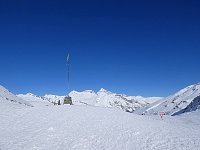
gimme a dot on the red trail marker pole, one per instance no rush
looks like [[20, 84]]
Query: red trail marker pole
[[161, 115]]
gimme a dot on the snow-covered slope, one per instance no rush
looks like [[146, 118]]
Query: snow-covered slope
[[95, 128], [193, 106], [143, 100], [34, 99], [6, 97], [183, 101], [46, 100]]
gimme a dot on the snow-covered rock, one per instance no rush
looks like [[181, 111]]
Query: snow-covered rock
[[183, 101], [7, 97]]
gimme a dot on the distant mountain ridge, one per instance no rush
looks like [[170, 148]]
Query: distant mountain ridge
[[102, 98], [185, 100]]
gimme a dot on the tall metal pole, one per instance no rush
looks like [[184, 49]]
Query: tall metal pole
[[68, 71], [68, 99]]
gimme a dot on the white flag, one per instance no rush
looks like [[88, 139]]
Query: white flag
[[68, 58]]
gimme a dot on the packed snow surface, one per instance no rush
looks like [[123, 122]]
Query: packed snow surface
[[88, 128]]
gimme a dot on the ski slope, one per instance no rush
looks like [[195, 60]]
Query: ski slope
[[94, 128]]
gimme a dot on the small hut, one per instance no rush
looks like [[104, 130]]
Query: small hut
[[67, 100]]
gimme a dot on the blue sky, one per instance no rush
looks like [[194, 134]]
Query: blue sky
[[149, 48]]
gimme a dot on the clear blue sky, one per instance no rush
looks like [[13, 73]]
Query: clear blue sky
[[149, 48]]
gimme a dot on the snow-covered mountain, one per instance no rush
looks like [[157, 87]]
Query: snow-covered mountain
[[87, 97], [184, 100], [144, 100], [193, 106], [102, 98], [7, 97]]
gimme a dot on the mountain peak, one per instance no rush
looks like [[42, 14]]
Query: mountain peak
[[102, 90]]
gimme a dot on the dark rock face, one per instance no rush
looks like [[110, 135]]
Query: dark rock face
[[193, 106]]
